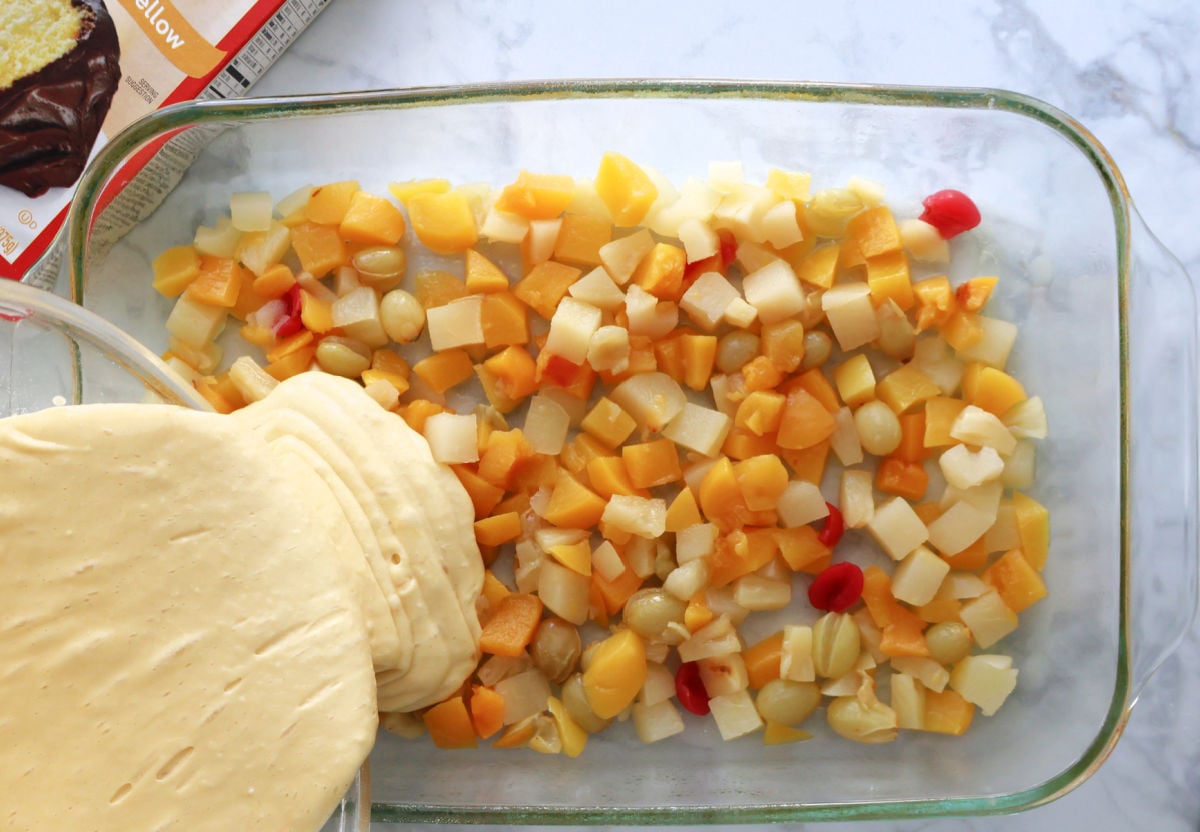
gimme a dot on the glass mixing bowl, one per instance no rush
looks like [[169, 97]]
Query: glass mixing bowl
[[1108, 338]]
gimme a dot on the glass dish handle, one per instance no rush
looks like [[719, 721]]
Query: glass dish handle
[[1163, 461]]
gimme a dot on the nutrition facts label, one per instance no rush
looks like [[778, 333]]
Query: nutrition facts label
[[264, 48]]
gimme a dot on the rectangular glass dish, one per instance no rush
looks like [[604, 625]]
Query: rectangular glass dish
[[1107, 338]]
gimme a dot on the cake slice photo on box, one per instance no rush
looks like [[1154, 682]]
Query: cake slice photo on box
[[59, 72]]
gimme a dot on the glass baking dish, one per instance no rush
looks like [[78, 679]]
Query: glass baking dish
[[1108, 338]]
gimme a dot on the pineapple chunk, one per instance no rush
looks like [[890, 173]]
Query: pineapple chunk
[[1027, 420], [546, 425], [724, 675], [652, 399], [958, 527], [988, 618], [985, 681], [694, 542], [641, 516], [452, 438], [656, 722], [598, 289], [458, 323], [735, 714], [608, 349], [976, 426], [774, 291], [918, 577], [908, 701], [897, 528], [800, 504], [717, 638], [700, 429], [857, 498], [851, 314], [796, 655], [845, 441], [357, 315], [648, 315], [622, 256], [571, 329], [195, 324], [503, 226], [994, 347], [707, 300], [964, 468], [1020, 465], [924, 242]]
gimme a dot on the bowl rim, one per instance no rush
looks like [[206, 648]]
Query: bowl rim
[[176, 118]]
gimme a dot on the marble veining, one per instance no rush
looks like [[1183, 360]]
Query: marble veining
[[1126, 68]]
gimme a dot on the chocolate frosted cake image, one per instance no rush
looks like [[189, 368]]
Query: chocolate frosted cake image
[[57, 80]]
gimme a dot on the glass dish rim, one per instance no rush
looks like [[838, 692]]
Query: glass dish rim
[[197, 113]]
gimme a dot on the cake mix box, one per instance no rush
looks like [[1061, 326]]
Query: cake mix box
[[73, 73]]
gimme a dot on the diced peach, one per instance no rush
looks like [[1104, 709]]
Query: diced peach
[[572, 505], [699, 354], [444, 223], [936, 300], [501, 460], [940, 413], [720, 496], [904, 638], [537, 196], [510, 627], [616, 592], [545, 285], [292, 344], [484, 496], [449, 724], [625, 189], [487, 711], [815, 382], [482, 275], [661, 271], [760, 373], [514, 370], [328, 204], [783, 343], [174, 269], [974, 293], [293, 364], [416, 413], [885, 610], [505, 320], [652, 463], [404, 191], [445, 369], [855, 380], [875, 232], [763, 660], [373, 220], [436, 288], [608, 475], [760, 412], [581, 450], [1016, 580], [993, 390], [742, 444], [498, 529], [740, 553], [371, 375], [805, 421], [912, 437], [802, 548], [580, 238], [668, 355], [762, 480], [1033, 526], [906, 479], [218, 283], [819, 266], [316, 314], [808, 464], [947, 712], [274, 282], [697, 614], [888, 277], [319, 247], [905, 388], [683, 512], [962, 330]]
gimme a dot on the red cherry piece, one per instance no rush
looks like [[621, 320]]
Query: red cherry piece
[[290, 323], [834, 526], [950, 212], [729, 247], [837, 588], [689, 687], [561, 371]]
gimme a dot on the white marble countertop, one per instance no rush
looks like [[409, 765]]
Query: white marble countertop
[[1128, 69]]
